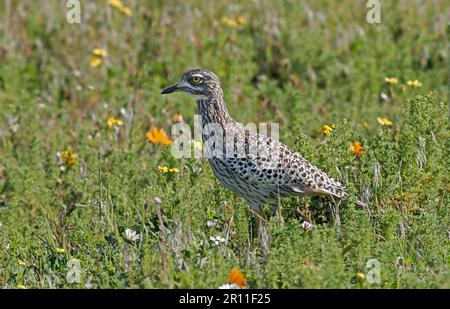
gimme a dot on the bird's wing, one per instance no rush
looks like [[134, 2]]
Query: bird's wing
[[310, 179], [289, 172], [261, 166]]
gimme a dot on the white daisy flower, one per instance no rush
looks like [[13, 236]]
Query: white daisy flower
[[228, 286], [307, 225], [217, 240], [131, 235], [210, 223]]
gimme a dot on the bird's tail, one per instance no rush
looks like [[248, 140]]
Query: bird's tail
[[336, 189]]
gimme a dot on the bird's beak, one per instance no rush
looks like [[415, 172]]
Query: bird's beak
[[170, 89]]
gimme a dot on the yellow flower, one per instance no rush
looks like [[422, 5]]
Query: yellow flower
[[120, 7], [365, 125], [232, 23], [177, 118], [111, 122], [224, 20], [127, 11], [229, 22], [157, 136], [326, 129], [357, 149], [96, 62], [384, 121], [391, 80], [115, 3], [21, 286], [360, 276], [60, 250], [414, 83], [236, 277], [241, 20], [99, 52], [20, 262], [163, 169], [68, 158]]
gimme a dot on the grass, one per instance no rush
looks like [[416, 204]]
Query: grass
[[302, 64]]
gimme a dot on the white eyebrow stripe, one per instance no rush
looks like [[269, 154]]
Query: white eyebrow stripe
[[198, 75]]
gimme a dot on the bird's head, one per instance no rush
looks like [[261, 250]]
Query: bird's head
[[199, 83]]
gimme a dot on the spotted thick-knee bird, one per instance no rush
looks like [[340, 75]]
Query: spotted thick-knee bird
[[258, 168]]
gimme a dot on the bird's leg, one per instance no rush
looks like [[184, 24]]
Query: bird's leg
[[276, 210], [262, 227], [334, 206]]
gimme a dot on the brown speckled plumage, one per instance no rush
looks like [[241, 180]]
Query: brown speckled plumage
[[256, 176]]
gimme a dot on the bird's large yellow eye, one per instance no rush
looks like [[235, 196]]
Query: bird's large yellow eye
[[196, 80]]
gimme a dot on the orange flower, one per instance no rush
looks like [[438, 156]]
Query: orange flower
[[236, 277], [357, 149], [157, 136]]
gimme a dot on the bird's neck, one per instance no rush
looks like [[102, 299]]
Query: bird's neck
[[213, 110], [217, 125]]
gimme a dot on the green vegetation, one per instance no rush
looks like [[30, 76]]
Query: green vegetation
[[302, 64]]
